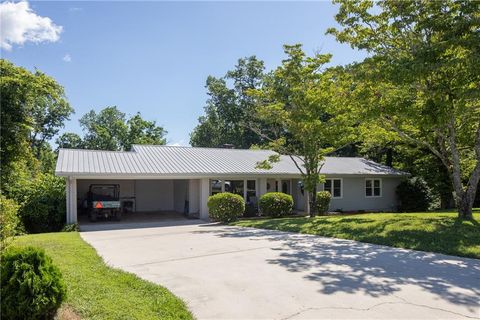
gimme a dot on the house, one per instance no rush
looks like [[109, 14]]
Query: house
[[161, 179]]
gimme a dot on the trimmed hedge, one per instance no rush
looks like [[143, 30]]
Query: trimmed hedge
[[31, 286], [323, 201], [225, 207], [276, 204]]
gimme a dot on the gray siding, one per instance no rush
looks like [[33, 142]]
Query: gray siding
[[353, 195], [180, 194], [154, 195]]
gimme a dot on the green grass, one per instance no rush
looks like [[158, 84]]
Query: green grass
[[96, 291], [433, 232]]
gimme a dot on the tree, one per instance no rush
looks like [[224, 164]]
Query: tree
[[228, 109], [422, 79], [33, 109], [70, 140], [300, 103], [110, 129]]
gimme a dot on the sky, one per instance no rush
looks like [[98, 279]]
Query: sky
[[154, 57]]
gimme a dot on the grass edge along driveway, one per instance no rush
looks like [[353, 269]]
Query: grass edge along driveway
[[439, 232], [96, 291]]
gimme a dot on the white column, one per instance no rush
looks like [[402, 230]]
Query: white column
[[71, 198], [193, 195], [204, 194], [67, 200], [261, 187], [245, 190]]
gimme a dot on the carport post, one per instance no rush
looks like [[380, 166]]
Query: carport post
[[71, 199], [204, 194]]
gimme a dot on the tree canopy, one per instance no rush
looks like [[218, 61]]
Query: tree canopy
[[300, 103], [421, 81], [33, 110], [110, 129], [229, 107]]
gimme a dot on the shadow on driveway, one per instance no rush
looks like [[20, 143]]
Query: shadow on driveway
[[349, 266]]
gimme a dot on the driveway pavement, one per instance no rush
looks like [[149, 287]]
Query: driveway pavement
[[241, 273]]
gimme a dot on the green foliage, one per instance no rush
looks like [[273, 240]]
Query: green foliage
[[9, 221], [111, 130], [71, 227], [32, 287], [275, 204], [70, 140], [323, 201], [225, 207], [230, 109], [426, 231], [413, 195], [301, 104], [420, 84], [43, 206], [34, 108], [97, 291]]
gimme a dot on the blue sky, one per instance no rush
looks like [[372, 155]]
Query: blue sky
[[154, 57]]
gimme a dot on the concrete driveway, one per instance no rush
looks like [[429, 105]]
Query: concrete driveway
[[241, 273]]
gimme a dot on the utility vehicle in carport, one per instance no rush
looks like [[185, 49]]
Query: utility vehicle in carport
[[103, 201]]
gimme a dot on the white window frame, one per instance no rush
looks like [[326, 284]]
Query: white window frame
[[341, 187], [372, 180]]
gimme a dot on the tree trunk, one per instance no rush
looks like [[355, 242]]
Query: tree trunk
[[464, 198], [313, 203]]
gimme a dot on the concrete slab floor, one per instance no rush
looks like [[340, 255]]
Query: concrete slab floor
[[224, 272]]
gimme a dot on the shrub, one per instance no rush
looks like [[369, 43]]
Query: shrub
[[323, 201], [9, 221], [276, 204], [43, 209], [71, 227], [32, 287], [225, 207], [413, 195]]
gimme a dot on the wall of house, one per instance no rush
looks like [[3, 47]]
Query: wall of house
[[127, 187], [180, 194], [154, 195], [354, 199]]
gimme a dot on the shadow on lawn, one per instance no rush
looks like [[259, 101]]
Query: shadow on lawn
[[348, 266]]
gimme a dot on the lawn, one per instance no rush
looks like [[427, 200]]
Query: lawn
[[96, 291], [434, 232]]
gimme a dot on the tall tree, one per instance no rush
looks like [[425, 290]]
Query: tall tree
[[33, 109], [422, 79], [110, 129], [229, 107], [306, 120]]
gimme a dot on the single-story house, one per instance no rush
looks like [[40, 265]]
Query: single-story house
[[161, 179]]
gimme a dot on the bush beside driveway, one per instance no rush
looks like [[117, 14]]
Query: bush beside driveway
[[96, 291]]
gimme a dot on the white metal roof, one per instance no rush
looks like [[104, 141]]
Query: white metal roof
[[173, 161]]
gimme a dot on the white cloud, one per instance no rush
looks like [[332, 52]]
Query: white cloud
[[75, 9], [180, 143], [19, 24], [67, 58]]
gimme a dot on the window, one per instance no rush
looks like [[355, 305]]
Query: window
[[373, 188], [334, 186], [215, 186], [251, 193], [234, 186]]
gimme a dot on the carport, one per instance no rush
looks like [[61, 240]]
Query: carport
[[142, 200]]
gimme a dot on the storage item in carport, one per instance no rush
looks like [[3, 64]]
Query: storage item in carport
[[104, 202]]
